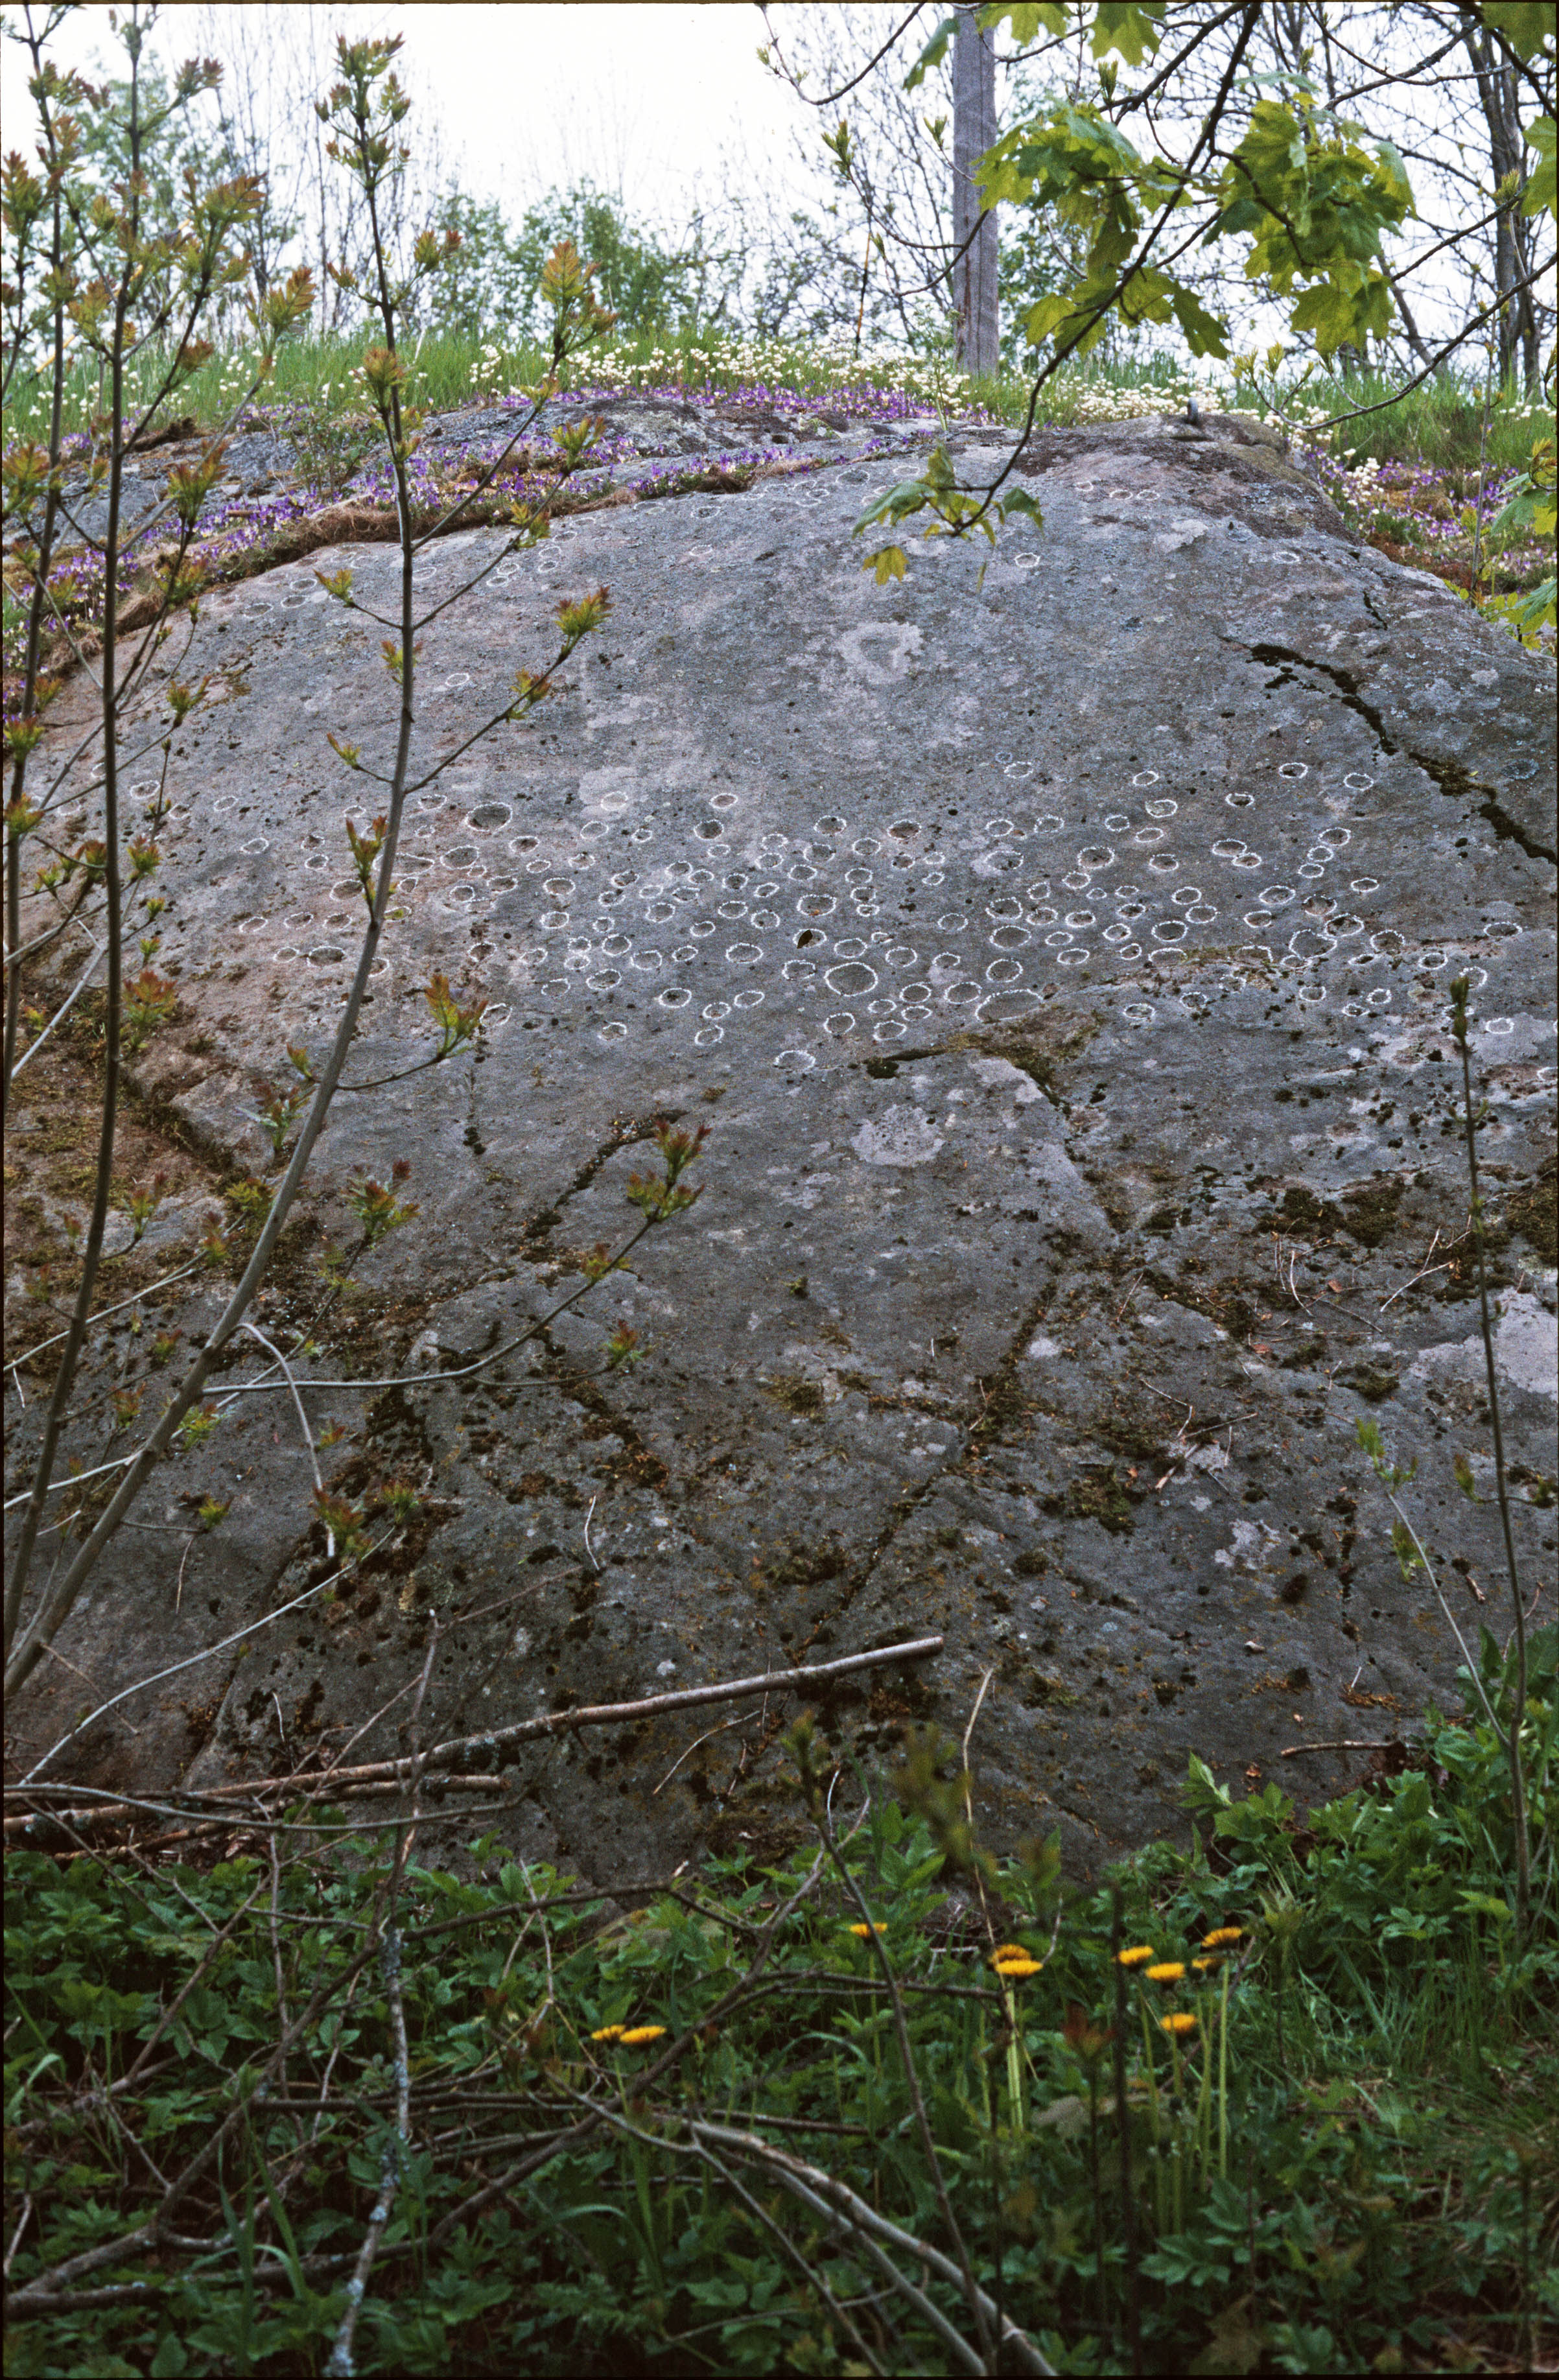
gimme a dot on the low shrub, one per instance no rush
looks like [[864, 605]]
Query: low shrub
[[686, 2138]]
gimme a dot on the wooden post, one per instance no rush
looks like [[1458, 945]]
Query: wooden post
[[974, 131]]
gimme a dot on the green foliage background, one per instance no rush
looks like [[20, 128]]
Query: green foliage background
[[1390, 2192]]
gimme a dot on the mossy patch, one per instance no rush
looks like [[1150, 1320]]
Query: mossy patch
[[1137, 1435], [1041, 1047], [1305, 1211], [803, 1565], [755, 1838], [1533, 1210], [1041, 1693], [1369, 1212], [1094, 1495], [796, 1393]]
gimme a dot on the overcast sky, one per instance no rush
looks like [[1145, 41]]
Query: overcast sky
[[663, 101], [657, 98]]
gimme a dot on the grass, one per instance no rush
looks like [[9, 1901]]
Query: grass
[[1349, 2161], [1437, 426]]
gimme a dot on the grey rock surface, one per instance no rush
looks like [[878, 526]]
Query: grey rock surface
[[1059, 961]]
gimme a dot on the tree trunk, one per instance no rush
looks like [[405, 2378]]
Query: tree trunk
[[1513, 245], [974, 265]]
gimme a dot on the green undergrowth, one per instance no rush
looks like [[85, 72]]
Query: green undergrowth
[[1344, 2157], [1437, 426]]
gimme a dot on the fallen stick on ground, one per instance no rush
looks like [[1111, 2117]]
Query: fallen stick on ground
[[457, 1752]]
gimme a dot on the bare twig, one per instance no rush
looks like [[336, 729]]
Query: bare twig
[[839, 2201], [812, 2278], [1342, 1744], [1512, 1741], [271, 1350], [22, 2220], [99, 953], [723, 1729], [392, 2160], [1129, 1296], [193, 1661], [973, 2297], [445, 1757], [101, 1316]]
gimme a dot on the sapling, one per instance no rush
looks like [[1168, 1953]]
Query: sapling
[[196, 266], [112, 258], [1407, 1543]]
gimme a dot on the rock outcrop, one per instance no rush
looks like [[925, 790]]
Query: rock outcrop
[[1060, 961]]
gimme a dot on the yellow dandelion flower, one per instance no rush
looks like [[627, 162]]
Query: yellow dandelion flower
[[1220, 1936], [1178, 2026], [642, 2032], [1009, 1950], [1137, 1956], [864, 1933], [1017, 1970], [608, 2032], [1167, 1970], [1202, 1966]]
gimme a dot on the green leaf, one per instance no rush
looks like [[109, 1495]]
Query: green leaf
[[1025, 18], [1526, 27], [1527, 615], [1205, 334], [904, 497], [935, 50], [889, 562], [1316, 207], [1134, 32], [1540, 189], [1043, 318], [1340, 315], [1202, 1791]]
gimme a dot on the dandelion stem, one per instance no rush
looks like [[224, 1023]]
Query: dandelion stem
[[1223, 2079], [1123, 2130]]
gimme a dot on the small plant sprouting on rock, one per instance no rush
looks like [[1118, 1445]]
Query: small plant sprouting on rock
[[458, 1022], [382, 1210], [150, 1000], [346, 1525], [661, 1197], [278, 1113], [578, 616], [143, 1204], [198, 1424], [250, 1200]]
